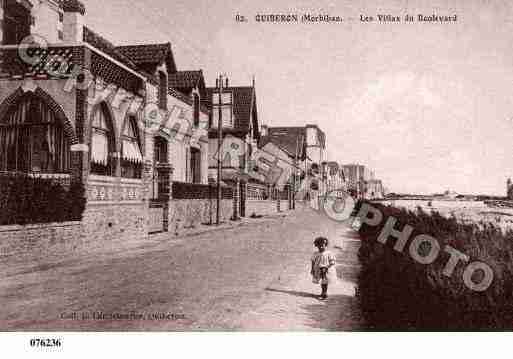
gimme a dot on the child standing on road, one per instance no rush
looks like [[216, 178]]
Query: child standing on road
[[322, 263]]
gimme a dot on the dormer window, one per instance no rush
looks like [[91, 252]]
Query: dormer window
[[16, 23], [162, 90]]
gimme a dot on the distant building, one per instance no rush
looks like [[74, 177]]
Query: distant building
[[333, 176], [375, 189], [239, 116], [450, 194], [362, 182], [356, 176], [306, 145], [307, 141]]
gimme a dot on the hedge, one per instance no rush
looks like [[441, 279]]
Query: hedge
[[26, 199], [397, 293]]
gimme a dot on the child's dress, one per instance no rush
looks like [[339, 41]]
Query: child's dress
[[323, 260]]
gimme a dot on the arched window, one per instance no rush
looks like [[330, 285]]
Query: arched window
[[131, 162], [32, 138], [102, 143]]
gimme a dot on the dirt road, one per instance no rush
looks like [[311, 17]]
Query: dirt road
[[252, 277]]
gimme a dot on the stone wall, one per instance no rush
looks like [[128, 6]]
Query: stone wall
[[116, 209], [42, 239], [101, 225], [191, 213], [263, 207], [111, 222]]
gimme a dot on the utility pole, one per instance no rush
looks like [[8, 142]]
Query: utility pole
[[219, 140], [294, 183]]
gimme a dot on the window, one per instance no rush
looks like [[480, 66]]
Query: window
[[132, 159], [196, 109], [60, 35], [226, 98], [16, 24], [160, 150], [195, 165], [32, 139], [102, 143], [61, 17], [226, 116], [226, 109], [162, 90]]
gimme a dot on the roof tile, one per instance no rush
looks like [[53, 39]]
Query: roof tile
[[185, 79], [152, 54]]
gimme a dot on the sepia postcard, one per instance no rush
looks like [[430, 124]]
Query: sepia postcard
[[275, 166]]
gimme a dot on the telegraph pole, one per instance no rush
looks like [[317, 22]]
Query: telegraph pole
[[219, 140]]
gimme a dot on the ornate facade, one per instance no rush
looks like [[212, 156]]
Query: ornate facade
[[75, 107]]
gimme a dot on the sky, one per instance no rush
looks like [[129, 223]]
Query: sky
[[428, 107]]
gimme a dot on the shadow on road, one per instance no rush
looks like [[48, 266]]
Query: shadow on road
[[293, 292]]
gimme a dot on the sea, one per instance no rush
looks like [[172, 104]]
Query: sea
[[465, 211]]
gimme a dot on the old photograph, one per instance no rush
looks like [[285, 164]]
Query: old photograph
[[243, 166]]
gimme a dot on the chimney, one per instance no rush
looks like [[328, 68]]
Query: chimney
[[73, 24]]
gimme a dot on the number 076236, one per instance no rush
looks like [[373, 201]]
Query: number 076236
[[45, 342]]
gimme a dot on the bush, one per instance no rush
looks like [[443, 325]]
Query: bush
[[30, 200], [396, 293]]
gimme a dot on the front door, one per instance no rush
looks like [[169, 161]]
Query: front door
[[159, 205]]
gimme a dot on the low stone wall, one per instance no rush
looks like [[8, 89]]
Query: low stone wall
[[191, 213], [113, 221], [44, 238], [263, 207]]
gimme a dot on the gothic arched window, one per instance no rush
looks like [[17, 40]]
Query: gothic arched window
[[32, 138]]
